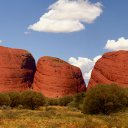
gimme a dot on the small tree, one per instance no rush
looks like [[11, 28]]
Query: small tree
[[31, 99], [14, 98], [104, 99], [4, 99]]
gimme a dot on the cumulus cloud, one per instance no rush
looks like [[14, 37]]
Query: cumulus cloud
[[120, 44], [85, 64], [66, 16]]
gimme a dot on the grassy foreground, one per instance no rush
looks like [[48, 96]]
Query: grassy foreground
[[60, 117]]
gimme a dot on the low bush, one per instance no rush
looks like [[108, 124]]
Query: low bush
[[51, 101], [105, 99], [64, 101], [78, 101], [32, 100], [4, 99], [15, 98]]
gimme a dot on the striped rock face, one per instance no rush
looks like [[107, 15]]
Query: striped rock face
[[17, 68], [111, 68], [56, 78]]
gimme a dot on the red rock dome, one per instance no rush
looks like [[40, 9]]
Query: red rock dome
[[111, 68], [57, 78], [17, 68]]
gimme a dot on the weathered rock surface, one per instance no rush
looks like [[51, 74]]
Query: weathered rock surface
[[111, 68], [17, 68], [56, 78]]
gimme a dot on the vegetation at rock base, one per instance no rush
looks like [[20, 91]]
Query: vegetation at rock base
[[32, 99], [27, 99], [77, 101], [64, 101], [4, 99], [15, 98], [105, 99], [31, 109]]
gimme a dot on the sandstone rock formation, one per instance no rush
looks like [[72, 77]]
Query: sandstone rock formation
[[56, 78], [111, 68], [17, 68]]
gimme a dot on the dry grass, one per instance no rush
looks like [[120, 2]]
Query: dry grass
[[60, 117]]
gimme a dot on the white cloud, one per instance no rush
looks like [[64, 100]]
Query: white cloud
[[86, 65], [120, 44], [1, 41], [66, 16]]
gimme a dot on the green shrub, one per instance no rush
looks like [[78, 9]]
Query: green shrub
[[78, 101], [79, 97], [4, 99], [15, 99], [51, 101], [104, 99], [32, 100], [64, 101]]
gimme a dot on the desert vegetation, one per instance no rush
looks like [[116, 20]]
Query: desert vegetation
[[60, 117], [105, 99], [104, 106]]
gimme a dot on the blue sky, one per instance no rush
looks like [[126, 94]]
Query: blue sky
[[17, 15]]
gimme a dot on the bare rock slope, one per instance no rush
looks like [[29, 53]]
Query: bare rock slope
[[111, 68], [17, 68], [56, 78]]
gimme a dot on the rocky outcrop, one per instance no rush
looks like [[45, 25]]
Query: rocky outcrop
[[17, 68], [111, 68], [56, 78]]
